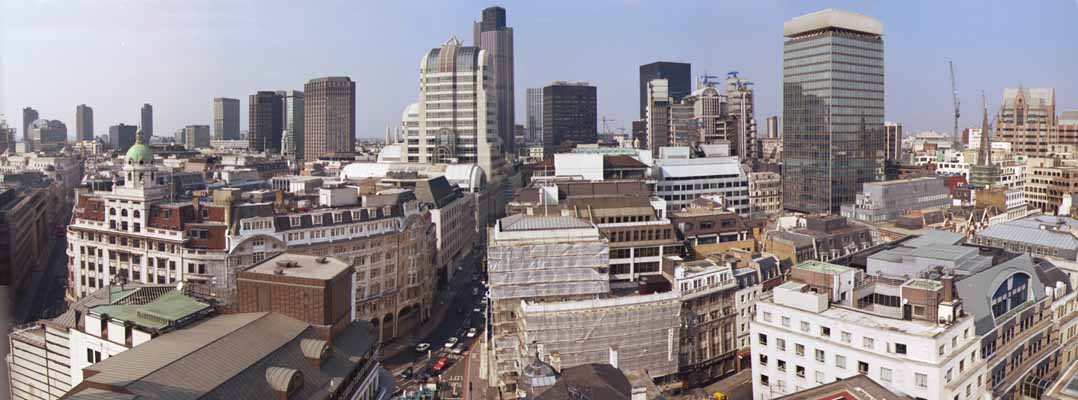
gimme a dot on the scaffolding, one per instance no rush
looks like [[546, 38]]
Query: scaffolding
[[636, 332], [548, 270]]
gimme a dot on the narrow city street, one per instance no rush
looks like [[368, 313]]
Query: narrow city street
[[48, 283], [458, 308]]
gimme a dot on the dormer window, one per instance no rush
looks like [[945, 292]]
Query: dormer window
[[317, 219]]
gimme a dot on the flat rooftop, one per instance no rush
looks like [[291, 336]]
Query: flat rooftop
[[827, 268], [861, 318], [301, 266], [926, 284], [832, 18]]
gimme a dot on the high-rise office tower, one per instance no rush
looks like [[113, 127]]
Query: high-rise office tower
[[29, 115], [455, 123], [658, 115], [226, 119], [84, 122], [678, 77], [122, 137], [147, 123], [265, 114], [832, 109], [47, 134], [892, 140], [773, 127], [709, 113], [569, 116], [640, 134], [535, 115], [329, 117], [1028, 121], [196, 136], [292, 123], [492, 35], [740, 109]]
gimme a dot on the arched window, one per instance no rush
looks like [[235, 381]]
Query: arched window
[[123, 213], [136, 214], [1010, 294], [112, 211]]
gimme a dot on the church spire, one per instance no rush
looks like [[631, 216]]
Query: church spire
[[388, 140], [984, 153]]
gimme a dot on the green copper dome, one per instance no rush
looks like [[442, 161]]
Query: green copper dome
[[139, 153]]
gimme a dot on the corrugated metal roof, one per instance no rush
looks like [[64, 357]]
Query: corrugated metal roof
[[1029, 230], [689, 171]]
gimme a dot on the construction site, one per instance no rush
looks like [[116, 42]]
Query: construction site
[[551, 300]]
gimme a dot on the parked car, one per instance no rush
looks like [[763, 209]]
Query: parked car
[[472, 332], [441, 364], [407, 373], [451, 342], [422, 347]]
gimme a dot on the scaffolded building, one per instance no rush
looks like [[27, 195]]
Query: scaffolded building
[[551, 297]]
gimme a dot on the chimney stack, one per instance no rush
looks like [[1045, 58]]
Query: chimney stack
[[948, 287]]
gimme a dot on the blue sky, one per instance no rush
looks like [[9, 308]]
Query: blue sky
[[178, 54]]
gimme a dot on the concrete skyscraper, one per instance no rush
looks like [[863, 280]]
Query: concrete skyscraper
[[657, 114], [492, 35], [569, 116], [740, 108], [892, 141], [678, 77], [147, 123], [292, 123], [265, 114], [832, 112], [84, 122], [455, 124], [29, 115], [535, 114], [773, 127], [226, 119], [329, 117]]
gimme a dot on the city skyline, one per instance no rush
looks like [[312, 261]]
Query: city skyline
[[919, 48]]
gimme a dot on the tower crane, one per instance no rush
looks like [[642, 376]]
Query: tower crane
[[954, 93]]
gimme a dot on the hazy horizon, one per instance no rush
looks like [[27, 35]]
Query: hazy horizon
[[178, 55]]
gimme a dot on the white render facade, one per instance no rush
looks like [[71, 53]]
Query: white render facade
[[457, 111], [795, 349]]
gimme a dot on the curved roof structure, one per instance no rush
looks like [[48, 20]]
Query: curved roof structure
[[467, 176], [139, 153]]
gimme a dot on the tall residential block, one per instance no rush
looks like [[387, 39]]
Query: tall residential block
[[29, 115], [678, 76], [84, 122], [265, 114], [569, 116], [455, 124], [226, 119], [773, 127], [329, 117], [535, 115], [833, 137], [492, 35], [292, 123], [146, 122]]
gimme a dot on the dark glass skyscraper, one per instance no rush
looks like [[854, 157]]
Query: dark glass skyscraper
[[832, 112], [569, 116], [492, 35], [146, 125], [265, 114], [678, 77]]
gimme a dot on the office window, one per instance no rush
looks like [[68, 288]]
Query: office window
[[763, 380], [921, 380], [885, 374], [825, 331], [819, 377], [862, 367], [941, 350], [947, 376], [804, 326], [786, 321], [780, 344], [763, 339], [763, 359], [767, 316], [799, 349], [868, 343], [781, 365], [820, 356], [840, 361], [847, 337], [900, 348], [800, 371]]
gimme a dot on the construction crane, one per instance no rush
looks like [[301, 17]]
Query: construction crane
[[606, 130], [954, 92]]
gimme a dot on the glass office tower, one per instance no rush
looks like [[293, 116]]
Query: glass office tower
[[833, 135]]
